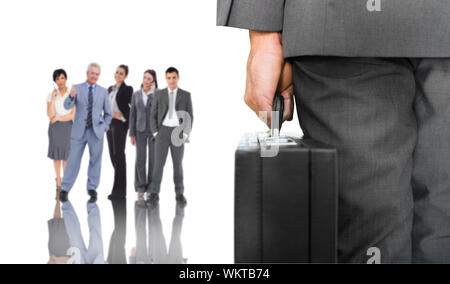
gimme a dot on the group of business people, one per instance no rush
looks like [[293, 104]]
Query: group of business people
[[158, 120]]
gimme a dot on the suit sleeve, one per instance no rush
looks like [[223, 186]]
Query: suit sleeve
[[190, 111], [258, 15], [154, 114], [69, 102], [128, 96], [132, 120], [107, 113]]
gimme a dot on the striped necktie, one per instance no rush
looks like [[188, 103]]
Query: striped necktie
[[91, 102]]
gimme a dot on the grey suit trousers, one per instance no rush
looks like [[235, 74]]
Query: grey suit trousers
[[162, 146], [145, 160], [389, 120]]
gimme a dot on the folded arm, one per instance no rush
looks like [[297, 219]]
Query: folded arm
[[67, 117]]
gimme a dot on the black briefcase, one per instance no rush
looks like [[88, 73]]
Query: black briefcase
[[285, 201]]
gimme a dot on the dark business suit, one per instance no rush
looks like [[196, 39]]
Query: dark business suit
[[375, 83], [159, 111], [117, 137]]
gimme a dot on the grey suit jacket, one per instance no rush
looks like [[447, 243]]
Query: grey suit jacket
[[160, 107], [101, 111], [403, 28], [140, 114]]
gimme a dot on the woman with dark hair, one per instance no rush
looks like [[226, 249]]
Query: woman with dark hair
[[140, 132], [120, 96], [60, 125]]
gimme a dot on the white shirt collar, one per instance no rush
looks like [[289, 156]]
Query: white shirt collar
[[149, 92], [174, 91]]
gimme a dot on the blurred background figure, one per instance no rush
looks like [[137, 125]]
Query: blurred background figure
[[92, 121], [171, 112], [60, 127], [141, 134], [120, 98]]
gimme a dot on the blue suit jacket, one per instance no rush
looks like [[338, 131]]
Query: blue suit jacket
[[101, 111]]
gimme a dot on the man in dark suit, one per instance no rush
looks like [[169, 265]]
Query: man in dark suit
[[120, 96], [371, 78], [171, 124]]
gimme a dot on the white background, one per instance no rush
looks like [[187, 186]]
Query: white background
[[38, 37]]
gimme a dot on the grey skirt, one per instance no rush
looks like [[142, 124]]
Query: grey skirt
[[59, 140]]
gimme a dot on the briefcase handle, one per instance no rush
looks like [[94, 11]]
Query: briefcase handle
[[278, 106]]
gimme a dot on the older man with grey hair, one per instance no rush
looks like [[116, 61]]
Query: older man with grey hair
[[92, 120]]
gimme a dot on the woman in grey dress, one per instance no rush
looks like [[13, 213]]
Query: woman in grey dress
[[60, 128]]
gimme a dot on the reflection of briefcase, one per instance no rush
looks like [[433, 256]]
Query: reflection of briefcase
[[286, 204]]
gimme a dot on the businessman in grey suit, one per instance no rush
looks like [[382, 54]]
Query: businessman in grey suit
[[92, 120], [371, 78], [171, 124]]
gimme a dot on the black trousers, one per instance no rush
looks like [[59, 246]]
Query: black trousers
[[117, 137]]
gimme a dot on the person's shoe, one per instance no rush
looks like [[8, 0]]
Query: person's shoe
[[153, 199], [115, 197], [181, 200], [93, 196], [64, 196]]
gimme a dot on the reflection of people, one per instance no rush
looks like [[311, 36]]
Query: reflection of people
[[140, 132], [175, 253], [155, 251], [58, 243], [120, 98], [377, 91], [79, 254], [92, 120], [116, 253], [60, 125], [171, 108]]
